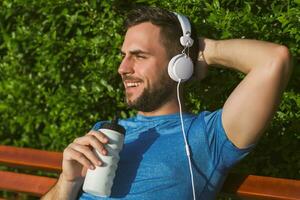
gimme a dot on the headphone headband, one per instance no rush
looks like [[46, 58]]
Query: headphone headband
[[185, 39]]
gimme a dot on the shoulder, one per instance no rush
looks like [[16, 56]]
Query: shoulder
[[209, 119]]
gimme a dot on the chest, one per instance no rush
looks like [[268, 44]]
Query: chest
[[154, 154]]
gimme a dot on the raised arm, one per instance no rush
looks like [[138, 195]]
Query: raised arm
[[253, 102]]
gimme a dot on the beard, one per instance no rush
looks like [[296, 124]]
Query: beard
[[155, 96]]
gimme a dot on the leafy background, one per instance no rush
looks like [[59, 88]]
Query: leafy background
[[58, 64]]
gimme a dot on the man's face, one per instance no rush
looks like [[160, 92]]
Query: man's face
[[144, 68]]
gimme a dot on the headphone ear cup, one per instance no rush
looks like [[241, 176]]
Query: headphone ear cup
[[180, 67], [171, 68]]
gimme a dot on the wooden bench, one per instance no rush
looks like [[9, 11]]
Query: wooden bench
[[241, 187]]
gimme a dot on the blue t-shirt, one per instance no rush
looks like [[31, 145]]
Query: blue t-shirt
[[153, 163]]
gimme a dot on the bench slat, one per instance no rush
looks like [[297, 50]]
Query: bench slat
[[260, 187], [245, 187], [31, 158], [30, 184]]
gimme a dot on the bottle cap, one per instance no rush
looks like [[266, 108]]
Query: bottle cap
[[114, 126]]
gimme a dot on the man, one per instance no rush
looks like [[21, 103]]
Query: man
[[153, 163]]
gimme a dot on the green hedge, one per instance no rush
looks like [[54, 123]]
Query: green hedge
[[59, 61]]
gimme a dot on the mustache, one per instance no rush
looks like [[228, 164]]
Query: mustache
[[130, 78]]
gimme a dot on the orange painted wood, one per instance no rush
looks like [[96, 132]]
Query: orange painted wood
[[260, 187], [244, 187], [30, 184], [30, 158]]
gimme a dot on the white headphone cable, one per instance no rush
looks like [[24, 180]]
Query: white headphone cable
[[187, 148]]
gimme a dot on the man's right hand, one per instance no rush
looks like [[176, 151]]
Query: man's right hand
[[79, 155], [77, 158]]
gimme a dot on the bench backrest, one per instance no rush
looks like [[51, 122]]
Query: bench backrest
[[31, 159], [241, 186]]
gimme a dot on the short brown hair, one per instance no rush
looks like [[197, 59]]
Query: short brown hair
[[170, 29]]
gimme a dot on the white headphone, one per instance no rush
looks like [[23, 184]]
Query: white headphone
[[181, 66]]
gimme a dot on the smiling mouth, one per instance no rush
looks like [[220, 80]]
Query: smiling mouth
[[131, 84]]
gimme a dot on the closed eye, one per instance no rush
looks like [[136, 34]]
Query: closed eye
[[141, 56], [138, 54]]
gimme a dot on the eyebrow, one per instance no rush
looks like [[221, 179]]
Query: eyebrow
[[135, 52]]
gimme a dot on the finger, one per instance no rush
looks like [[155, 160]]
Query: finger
[[91, 140], [71, 154], [88, 153], [101, 136]]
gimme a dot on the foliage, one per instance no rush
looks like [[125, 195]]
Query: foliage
[[59, 61]]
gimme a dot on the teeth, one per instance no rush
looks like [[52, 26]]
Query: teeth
[[132, 84]]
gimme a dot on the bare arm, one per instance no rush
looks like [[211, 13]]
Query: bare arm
[[77, 158], [253, 102], [63, 190]]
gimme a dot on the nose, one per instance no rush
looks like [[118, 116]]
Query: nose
[[126, 66]]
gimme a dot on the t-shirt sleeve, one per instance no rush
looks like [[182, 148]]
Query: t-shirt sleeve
[[224, 153]]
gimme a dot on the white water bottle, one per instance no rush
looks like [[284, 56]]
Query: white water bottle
[[100, 180]]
